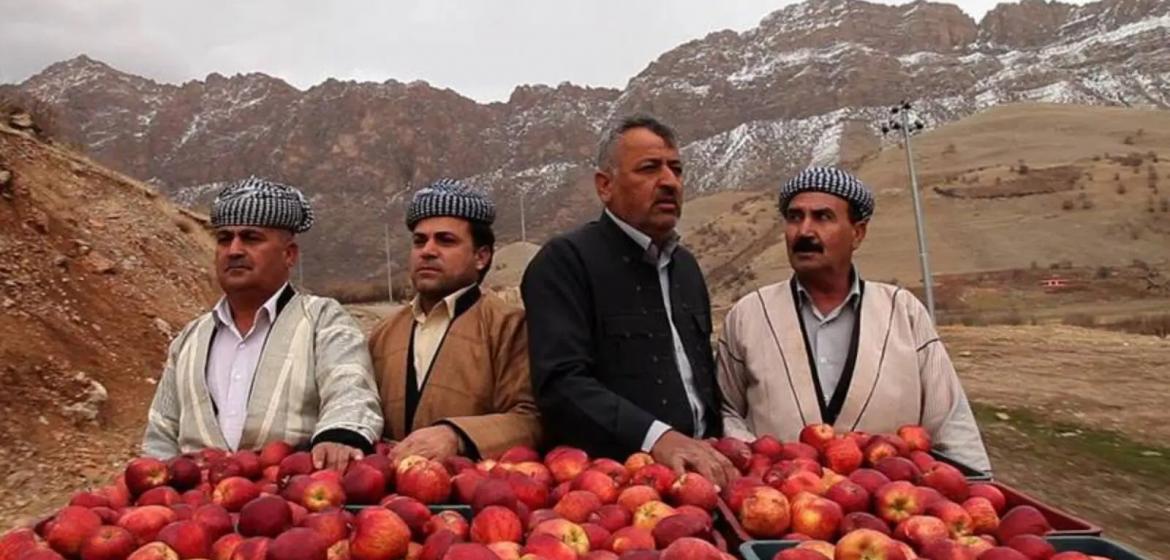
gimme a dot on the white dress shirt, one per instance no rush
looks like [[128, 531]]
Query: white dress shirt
[[231, 364], [661, 259], [829, 335]]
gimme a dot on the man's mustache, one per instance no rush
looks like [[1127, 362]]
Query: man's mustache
[[807, 245]]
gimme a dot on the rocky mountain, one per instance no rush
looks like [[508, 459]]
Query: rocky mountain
[[808, 85]]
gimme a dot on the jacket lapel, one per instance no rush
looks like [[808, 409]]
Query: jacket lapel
[[193, 373], [873, 335], [463, 326], [276, 399], [784, 324]]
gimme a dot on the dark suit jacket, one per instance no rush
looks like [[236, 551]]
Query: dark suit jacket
[[602, 356]]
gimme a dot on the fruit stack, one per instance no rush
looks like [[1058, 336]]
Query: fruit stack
[[854, 495], [274, 505]]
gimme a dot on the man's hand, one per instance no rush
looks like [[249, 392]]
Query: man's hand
[[682, 453], [336, 456], [435, 443]]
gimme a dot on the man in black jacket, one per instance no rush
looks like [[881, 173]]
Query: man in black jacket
[[619, 319]]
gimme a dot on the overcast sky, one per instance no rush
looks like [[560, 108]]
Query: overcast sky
[[480, 48]]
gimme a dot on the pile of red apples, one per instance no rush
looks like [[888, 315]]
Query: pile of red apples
[[859, 496], [274, 505]]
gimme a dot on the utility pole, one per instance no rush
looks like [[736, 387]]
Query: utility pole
[[901, 121], [389, 267], [523, 228]]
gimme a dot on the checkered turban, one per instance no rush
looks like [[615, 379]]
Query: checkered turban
[[833, 181], [260, 203], [448, 197]]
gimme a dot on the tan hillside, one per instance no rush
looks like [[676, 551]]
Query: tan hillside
[[1009, 187], [97, 273], [509, 263]]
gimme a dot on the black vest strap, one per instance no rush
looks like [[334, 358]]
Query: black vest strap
[[832, 409]]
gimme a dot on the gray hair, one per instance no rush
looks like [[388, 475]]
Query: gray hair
[[605, 159]]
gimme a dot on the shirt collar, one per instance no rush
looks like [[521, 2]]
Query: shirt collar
[[447, 304], [223, 311], [653, 254], [854, 292]]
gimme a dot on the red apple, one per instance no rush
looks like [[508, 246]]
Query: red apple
[[765, 513], [232, 493], [631, 538], [223, 547], [363, 484], [145, 473], [300, 462], [536, 471], [274, 452], [577, 505], [869, 479], [412, 512], [378, 534], [528, 491], [799, 554], [920, 530], [225, 467], [448, 521], [106, 543], [863, 520], [565, 463], [689, 548], [496, 524], [1002, 553], [573, 535], [145, 522], [255, 548], [611, 517], [299, 544], [843, 456], [423, 480], [801, 481], [505, 550], [548, 547], [650, 513], [160, 496], [634, 496], [70, 528], [948, 480], [737, 491], [152, 551], [597, 482], [16, 542], [899, 468], [865, 544], [1034, 547], [993, 495], [984, 520], [898, 501], [681, 525], [922, 459], [799, 450], [692, 489], [519, 454], [657, 476], [819, 518], [817, 435], [1072, 555], [266, 516], [916, 437], [849, 495], [1022, 520], [945, 549], [768, 446], [635, 462], [957, 520], [214, 519], [597, 534], [187, 538], [332, 526]]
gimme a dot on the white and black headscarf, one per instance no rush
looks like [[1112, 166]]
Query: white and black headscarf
[[832, 181], [448, 197], [261, 203]]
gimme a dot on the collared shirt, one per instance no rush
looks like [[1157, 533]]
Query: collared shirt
[[829, 335], [429, 329], [231, 364], [660, 258]]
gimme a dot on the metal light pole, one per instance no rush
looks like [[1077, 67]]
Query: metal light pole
[[901, 122], [389, 267], [523, 228]]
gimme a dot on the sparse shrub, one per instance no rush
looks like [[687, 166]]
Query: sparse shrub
[[950, 149], [1079, 320], [183, 225], [1067, 205], [1087, 204], [1120, 188], [1022, 169], [1165, 205], [1128, 141], [1117, 176], [1103, 272]]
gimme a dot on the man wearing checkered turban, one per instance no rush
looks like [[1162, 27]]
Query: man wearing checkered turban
[[266, 363], [452, 367], [826, 347]]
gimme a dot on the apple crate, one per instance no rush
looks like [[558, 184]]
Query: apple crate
[[1093, 546], [973, 474], [728, 526], [1063, 523]]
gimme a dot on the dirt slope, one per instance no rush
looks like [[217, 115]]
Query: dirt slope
[[96, 274]]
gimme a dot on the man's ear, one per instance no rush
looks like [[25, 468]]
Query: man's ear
[[483, 258], [603, 182], [292, 252], [859, 231]]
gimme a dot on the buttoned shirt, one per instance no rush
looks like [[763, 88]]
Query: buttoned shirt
[[429, 330], [231, 364], [829, 335], [660, 257]]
